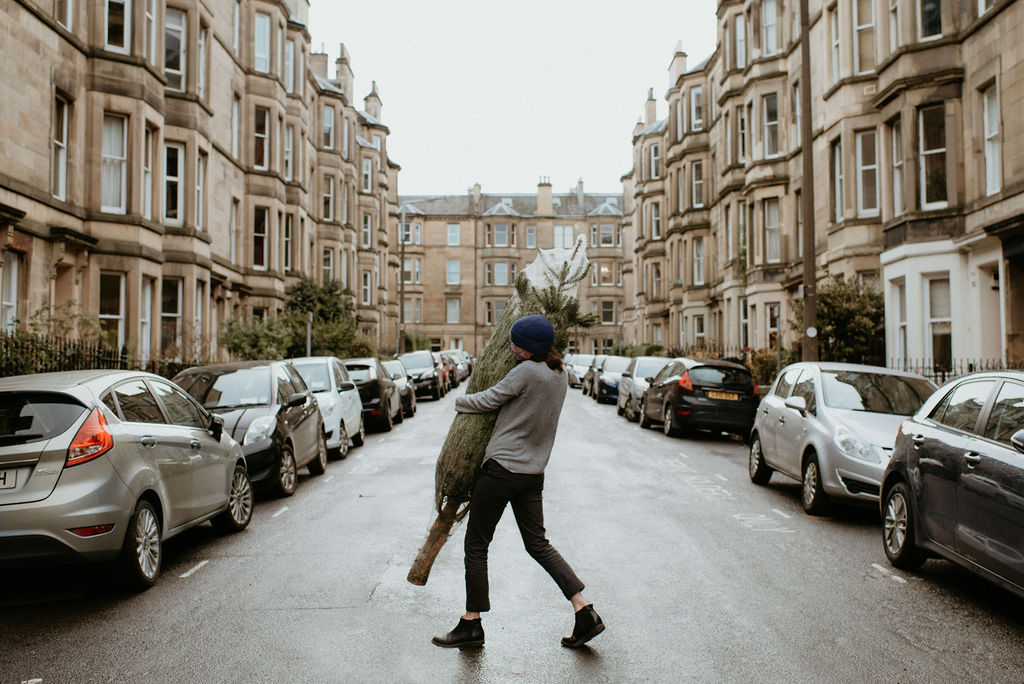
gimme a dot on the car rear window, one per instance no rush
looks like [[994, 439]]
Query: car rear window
[[615, 365], [396, 368], [648, 368], [416, 361], [315, 374], [874, 392], [34, 416], [229, 389], [722, 377], [359, 371]]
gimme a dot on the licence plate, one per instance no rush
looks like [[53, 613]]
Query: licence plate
[[8, 479], [728, 396]]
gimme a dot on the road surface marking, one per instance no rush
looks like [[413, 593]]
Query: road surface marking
[[784, 515], [194, 569], [683, 455], [329, 478], [283, 509], [723, 478], [364, 469], [886, 571], [758, 522]]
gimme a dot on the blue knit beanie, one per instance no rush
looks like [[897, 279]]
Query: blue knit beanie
[[533, 334]]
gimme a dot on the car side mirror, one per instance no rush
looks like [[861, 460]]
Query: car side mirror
[[216, 427], [798, 404], [627, 375], [297, 399], [1017, 440], [346, 386], [649, 379]]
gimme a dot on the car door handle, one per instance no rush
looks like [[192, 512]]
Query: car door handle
[[147, 441], [782, 420], [973, 458], [918, 440], [195, 444]]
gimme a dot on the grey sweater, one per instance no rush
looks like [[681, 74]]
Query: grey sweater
[[530, 400]]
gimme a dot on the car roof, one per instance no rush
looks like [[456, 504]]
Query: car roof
[[857, 367], [365, 359], [231, 366], [65, 380], [716, 363], [300, 359]]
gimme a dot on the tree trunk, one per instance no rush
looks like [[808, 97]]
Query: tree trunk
[[436, 537]]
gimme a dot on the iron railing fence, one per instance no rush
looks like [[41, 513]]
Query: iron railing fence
[[941, 371]]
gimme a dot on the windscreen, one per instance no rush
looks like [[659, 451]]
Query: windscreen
[[722, 377], [229, 389], [395, 368], [582, 359], [615, 365], [33, 416], [316, 375], [648, 368], [874, 392], [417, 361]]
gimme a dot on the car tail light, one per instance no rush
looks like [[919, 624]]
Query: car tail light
[[92, 440], [685, 382], [757, 392], [91, 531]]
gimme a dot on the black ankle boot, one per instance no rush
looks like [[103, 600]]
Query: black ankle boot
[[466, 633], [588, 625]]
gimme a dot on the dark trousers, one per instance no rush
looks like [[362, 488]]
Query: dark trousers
[[495, 488]]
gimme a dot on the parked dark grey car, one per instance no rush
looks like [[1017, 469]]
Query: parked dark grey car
[[707, 395], [954, 487], [426, 373], [268, 409], [107, 465], [403, 380], [382, 405], [633, 384]]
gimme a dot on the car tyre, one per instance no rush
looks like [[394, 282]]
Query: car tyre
[[758, 470], [437, 391], [412, 404], [287, 473], [239, 511], [318, 466], [645, 422], [400, 414], [898, 537], [342, 451], [812, 495], [386, 423], [620, 409], [142, 553], [667, 426], [359, 439]]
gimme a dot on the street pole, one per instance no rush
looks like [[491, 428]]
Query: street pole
[[309, 333], [810, 334], [401, 286]]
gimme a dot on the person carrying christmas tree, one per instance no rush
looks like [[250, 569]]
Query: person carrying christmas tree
[[529, 401]]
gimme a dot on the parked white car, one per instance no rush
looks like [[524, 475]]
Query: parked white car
[[338, 399]]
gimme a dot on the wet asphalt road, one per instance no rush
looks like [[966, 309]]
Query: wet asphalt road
[[699, 575]]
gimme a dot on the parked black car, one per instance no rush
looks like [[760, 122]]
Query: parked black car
[[268, 409], [587, 381], [382, 405], [954, 486], [604, 385], [400, 376], [426, 372], [451, 378], [708, 395]]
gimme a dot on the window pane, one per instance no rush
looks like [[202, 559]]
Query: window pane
[[180, 409], [931, 17], [110, 294], [938, 298], [1007, 416], [964, 405], [137, 404]]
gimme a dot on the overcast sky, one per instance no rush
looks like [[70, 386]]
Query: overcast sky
[[501, 93]]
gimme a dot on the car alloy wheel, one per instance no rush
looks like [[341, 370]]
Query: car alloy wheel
[[343, 448], [758, 470], [318, 466], [667, 426], [359, 439], [812, 496], [645, 422], [239, 511], [898, 529], [142, 552], [287, 476]]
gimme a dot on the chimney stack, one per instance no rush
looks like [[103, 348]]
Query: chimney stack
[[318, 64], [545, 205], [372, 101], [651, 108], [678, 65], [579, 192], [343, 72]]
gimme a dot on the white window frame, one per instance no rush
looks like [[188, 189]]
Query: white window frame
[[146, 318], [453, 307], [531, 237], [771, 220], [176, 22], [289, 142], [655, 212], [696, 109], [233, 232], [920, 22], [922, 158], [770, 126], [865, 171], [327, 265], [9, 288], [896, 137], [367, 231], [197, 317], [367, 175], [931, 321], [150, 30], [833, 23], [698, 260], [741, 134], [679, 119], [837, 178], [769, 28], [501, 274], [266, 238], [561, 233], [261, 43], [114, 161], [200, 190], [235, 116], [862, 25], [64, 12], [328, 122], [204, 35], [503, 240], [328, 197], [453, 272], [148, 159], [174, 185], [607, 312], [655, 163], [366, 288], [59, 147], [261, 141], [740, 32], [697, 184], [991, 144], [236, 27], [288, 243], [984, 6], [289, 66], [172, 316], [126, 9]]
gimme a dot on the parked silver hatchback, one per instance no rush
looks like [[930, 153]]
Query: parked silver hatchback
[[107, 465], [832, 426]]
